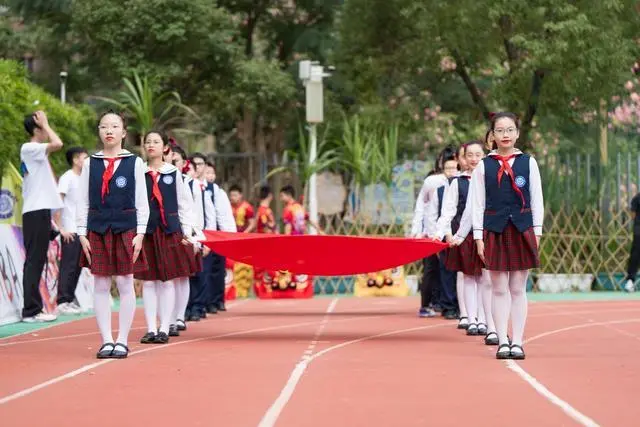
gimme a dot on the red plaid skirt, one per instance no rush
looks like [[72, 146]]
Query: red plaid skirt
[[464, 258], [166, 256], [511, 250], [112, 254], [195, 261]]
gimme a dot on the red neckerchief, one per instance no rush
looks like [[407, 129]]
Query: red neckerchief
[[156, 194], [107, 175], [506, 168]]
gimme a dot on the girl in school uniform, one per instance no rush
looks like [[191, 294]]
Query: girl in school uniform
[[483, 282], [113, 211], [507, 215], [168, 232], [463, 257]]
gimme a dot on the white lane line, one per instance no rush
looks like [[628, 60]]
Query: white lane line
[[273, 413], [90, 366], [572, 412]]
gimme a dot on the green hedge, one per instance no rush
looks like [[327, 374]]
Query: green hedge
[[19, 97]]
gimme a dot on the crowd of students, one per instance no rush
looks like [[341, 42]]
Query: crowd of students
[[489, 209]]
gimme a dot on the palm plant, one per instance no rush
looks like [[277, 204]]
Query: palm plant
[[147, 108], [298, 161]]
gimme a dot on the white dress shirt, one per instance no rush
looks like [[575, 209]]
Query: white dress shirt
[[478, 189], [449, 208], [185, 203], [142, 203], [223, 211], [424, 221]]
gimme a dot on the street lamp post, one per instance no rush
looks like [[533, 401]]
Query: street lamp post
[[63, 87], [311, 74]]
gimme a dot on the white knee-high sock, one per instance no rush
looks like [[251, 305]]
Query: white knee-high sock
[[471, 298], [167, 302], [150, 300], [460, 292], [484, 284], [482, 318], [127, 306], [500, 303], [518, 289], [102, 306], [182, 291]]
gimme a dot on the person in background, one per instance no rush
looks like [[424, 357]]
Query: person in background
[[294, 216], [224, 222], [199, 283], [634, 256], [424, 225], [68, 187], [40, 196], [265, 221], [448, 294], [242, 210]]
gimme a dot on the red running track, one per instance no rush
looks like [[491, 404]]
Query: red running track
[[337, 362]]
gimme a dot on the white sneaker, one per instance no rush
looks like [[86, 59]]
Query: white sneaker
[[40, 317], [67, 308], [629, 286]]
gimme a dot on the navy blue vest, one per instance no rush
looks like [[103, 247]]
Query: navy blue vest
[[503, 204], [118, 212], [167, 185], [440, 199], [463, 192]]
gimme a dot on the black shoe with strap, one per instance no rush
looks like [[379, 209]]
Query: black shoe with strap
[[148, 338], [120, 351], [501, 354], [161, 338], [105, 351], [519, 354]]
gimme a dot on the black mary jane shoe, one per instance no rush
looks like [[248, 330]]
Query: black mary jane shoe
[[472, 329], [173, 331], [491, 339], [517, 355], [462, 325], [181, 325], [105, 351], [148, 338], [120, 354], [482, 329], [503, 354], [161, 338]]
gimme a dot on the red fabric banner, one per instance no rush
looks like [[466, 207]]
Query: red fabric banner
[[320, 255]]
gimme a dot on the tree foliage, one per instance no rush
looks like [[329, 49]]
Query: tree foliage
[[19, 97]]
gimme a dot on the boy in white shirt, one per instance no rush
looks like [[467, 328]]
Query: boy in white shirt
[[66, 220], [40, 197]]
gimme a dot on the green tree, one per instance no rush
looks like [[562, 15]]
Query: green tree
[[19, 97], [535, 60], [148, 108]]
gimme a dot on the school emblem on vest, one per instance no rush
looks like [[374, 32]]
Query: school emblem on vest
[[520, 181], [167, 179], [6, 204], [121, 182]]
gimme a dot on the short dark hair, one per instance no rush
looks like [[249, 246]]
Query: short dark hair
[[207, 163], [235, 187], [179, 150], [73, 152], [288, 189], [197, 155], [265, 191], [30, 124]]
